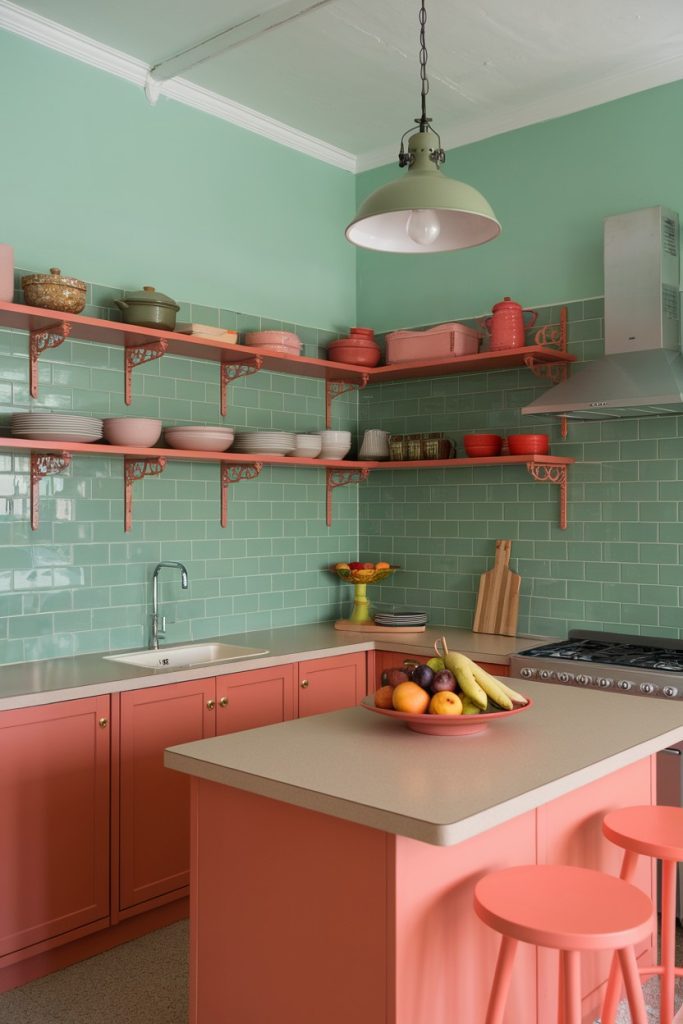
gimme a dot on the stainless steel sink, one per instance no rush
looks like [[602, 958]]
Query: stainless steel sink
[[187, 656]]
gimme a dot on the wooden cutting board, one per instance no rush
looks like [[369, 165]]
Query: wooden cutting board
[[498, 597]]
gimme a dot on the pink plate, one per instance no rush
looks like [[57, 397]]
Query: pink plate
[[445, 725]]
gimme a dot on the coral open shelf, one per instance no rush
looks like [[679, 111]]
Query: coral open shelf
[[48, 329], [48, 457]]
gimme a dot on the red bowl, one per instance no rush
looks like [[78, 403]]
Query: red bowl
[[528, 444], [355, 356], [357, 340], [366, 332], [482, 445]]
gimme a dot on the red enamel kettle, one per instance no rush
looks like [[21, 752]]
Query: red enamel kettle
[[508, 325]]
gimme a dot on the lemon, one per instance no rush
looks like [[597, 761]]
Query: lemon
[[436, 664]]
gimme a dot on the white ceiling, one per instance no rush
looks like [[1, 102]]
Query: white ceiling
[[347, 73]]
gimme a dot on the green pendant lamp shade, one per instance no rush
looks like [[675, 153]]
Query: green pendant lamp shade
[[424, 211]]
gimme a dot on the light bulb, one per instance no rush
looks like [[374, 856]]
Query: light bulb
[[423, 226]]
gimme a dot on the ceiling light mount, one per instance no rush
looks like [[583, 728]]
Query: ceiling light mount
[[424, 211]]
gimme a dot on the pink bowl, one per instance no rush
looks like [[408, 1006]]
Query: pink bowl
[[366, 332], [358, 341], [259, 338], [354, 355]]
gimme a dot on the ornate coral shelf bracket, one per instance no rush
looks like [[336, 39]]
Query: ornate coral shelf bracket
[[553, 475], [335, 388], [552, 336], [233, 371], [136, 469], [136, 355], [340, 478], [232, 475], [39, 340], [44, 464]]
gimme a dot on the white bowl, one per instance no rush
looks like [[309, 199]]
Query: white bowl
[[338, 437], [131, 431], [307, 446], [199, 439], [329, 451]]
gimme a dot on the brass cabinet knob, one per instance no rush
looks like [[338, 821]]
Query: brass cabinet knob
[[103, 723], [410, 664], [224, 702], [304, 684], [211, 704]]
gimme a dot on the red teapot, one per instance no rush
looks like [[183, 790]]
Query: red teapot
[[508, 325]]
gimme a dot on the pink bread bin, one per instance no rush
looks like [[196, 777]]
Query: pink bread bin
[[436, 342]]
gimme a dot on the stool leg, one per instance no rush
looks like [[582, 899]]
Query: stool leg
[[501, 980], [668, 956], [570, 972], [634, 992], [613, 990]]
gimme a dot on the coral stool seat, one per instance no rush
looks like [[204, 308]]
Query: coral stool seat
[[572, 910], [651, 832]]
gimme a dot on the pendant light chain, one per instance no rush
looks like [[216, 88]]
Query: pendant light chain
[[424, 120]]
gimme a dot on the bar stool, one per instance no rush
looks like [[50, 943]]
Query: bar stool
[[569, 909], [652, 832]]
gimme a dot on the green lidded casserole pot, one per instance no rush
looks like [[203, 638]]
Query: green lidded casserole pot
[[149, 308]]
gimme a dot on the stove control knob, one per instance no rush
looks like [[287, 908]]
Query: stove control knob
[[565, 677], [545, 673], [584, 680], [647, 688], [605, 682], [527, 673], [670, 691], [624, 684]]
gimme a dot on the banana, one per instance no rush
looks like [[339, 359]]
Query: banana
[[516, 698], [468, 707], [491, 686], [461, 667]]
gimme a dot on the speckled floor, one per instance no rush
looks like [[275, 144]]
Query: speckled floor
[[141, 982], [145, 982]]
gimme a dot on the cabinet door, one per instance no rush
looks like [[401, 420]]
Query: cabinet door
[[54, 820], [247, 700], [328, 684], [154, 853]]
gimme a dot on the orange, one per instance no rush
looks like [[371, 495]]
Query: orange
[[384, 697], [445, 703], [410, 698], [382, 565]]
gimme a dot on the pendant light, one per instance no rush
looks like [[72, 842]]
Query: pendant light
[[424, 211]]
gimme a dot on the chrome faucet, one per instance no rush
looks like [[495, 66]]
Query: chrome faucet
[[158, 630]]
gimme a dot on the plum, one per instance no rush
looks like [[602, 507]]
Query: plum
[[443, 680], [423, 676], [394, 676]]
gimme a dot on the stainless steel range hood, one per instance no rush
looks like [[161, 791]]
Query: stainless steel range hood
[[641, 373]]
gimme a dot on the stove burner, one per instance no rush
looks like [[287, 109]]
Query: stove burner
[[611, 651]]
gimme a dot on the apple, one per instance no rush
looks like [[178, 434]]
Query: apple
[[367, 565], [356, 565], [443, 680], [394, 676], [445, 703]]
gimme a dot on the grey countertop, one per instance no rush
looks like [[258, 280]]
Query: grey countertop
[[372, 770], [43, 682]]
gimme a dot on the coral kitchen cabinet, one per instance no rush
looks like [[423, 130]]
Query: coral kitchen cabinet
[[54, 824], [154, 844], [399, 659], [329, 684]]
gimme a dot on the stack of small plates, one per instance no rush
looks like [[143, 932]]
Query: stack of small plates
[[264, 442], [407, 618], [56, 426]]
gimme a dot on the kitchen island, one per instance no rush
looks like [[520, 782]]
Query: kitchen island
[[334, 858]]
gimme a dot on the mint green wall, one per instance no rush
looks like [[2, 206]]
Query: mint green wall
[[96, 181], [550, 186]]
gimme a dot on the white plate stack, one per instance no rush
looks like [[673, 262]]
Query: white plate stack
[[264, 442], [407, 618], [56, 426]]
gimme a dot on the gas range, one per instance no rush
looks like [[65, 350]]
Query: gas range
[[636, 665]]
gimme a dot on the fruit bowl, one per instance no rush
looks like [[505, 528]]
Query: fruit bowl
[[445, 725], [364, 575]]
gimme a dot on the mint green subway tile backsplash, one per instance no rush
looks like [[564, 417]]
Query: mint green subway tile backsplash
[[617, 566], [80, 584]]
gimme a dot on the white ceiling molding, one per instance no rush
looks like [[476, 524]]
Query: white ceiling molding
[[613, 87], [48, 33]]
